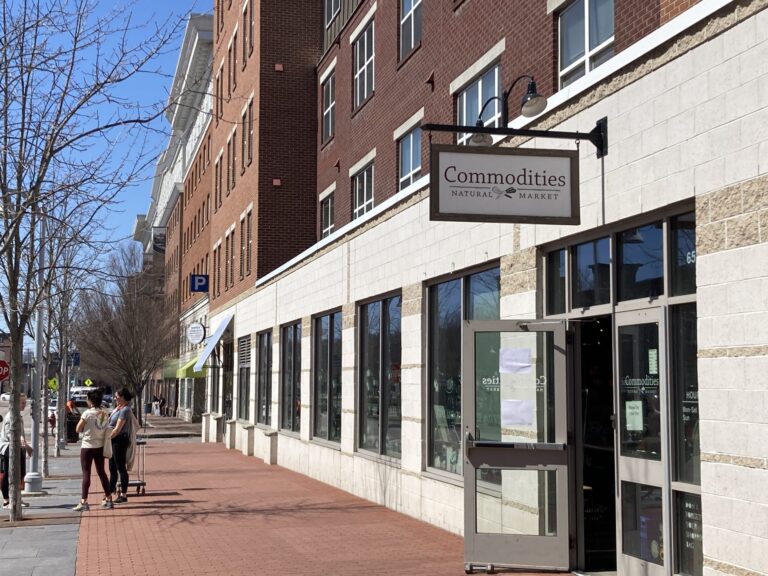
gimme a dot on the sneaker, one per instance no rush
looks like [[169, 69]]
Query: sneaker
[[24, 504], [107, 504], [6, 505], [120, 499], [81, 507]]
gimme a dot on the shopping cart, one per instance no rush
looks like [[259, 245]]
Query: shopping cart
[[140, 459]]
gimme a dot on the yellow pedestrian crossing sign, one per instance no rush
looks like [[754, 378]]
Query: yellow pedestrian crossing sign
[[53, 384], [88, 382]]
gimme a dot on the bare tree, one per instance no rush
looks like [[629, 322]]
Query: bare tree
[[122, 329], [70, 142]]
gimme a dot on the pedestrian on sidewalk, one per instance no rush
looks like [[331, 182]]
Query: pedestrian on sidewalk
[[94, 426], [123, 436], [5, 449]]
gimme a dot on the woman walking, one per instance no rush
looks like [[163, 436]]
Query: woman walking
[[121, 422], [93, 426]]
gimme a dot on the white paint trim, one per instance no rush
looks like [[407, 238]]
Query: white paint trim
[[479, 66], [327, 192], [363, 23], [362, 163], [216, 244], [328, 71], [406, 126], [553, 5], [638, 50], [420, 184], [249, 208]]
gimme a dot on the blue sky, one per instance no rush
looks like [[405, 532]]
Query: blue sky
[[151, 88]]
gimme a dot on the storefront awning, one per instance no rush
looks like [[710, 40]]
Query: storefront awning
[[169, 369], [187, 370], [213, 340]]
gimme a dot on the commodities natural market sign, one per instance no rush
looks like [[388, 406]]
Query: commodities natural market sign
[[492, 184]]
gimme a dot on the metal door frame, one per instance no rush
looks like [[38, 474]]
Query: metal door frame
[[484, 551]]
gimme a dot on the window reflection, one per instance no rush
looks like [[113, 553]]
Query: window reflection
[[556, 282], [642, 522], [592, 273], [685, 387], [327, 376], [641, 262], [683, 254]]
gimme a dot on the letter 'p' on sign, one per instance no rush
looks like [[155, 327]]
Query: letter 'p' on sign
[[198, 282]]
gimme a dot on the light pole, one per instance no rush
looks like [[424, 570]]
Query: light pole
[[33, 481]]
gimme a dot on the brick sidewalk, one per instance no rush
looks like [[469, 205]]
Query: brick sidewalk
[[208, 510]]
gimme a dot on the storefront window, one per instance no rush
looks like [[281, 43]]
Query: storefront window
[[641, 262], [688, 533], [290, 372], [445, 316], [556, 282], [685, 387], [264, 413], [592, 273], [327, 377], [683, 254], [380, 350], [640, 409], [642, 522], [244, 378]]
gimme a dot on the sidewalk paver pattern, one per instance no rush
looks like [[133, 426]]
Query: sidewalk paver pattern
[[208, 510]]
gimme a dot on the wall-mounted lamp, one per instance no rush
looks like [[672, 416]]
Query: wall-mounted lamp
[[532, 104]]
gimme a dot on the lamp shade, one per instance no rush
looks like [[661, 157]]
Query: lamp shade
[[533, 103]]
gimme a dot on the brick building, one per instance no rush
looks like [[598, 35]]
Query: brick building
[[569, 396]]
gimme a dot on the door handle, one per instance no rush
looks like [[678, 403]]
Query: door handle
[[468, 443]]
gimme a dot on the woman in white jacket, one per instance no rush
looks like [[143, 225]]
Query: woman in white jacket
[[94, 426]]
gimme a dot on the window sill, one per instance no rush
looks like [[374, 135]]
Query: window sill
[[457, 3], [289, 433], [379, 458], [408, 56], [443, 476], [362, 104], [326, 144], [326, 443]]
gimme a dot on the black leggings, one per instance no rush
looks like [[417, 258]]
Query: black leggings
[[4, 486], [89, 456], [118, 464]]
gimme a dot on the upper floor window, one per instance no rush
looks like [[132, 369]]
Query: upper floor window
[[364, 58], [410, 26], [329, 107], [332, 8], [586, 38], [410, 157], [471, 100], [326, 216], [362, 190]]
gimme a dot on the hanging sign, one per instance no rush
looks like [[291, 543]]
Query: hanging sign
[[497, 184], [195, 333]]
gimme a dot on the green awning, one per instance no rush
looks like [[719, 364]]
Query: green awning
[[169, 369], [188, 370]]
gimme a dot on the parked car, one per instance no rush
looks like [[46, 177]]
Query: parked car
[[5, 397]]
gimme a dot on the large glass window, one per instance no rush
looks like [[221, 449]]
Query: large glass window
[[264, 381], [410, 26], [329, 107], [592, 273], [556, 282], [410, 157], [476, 297], [586, 38], [471, 100], [639, 392], [380, 350], [244, 378], [642, 522], [683, 254], [362, 190], [290, 372], [641, 262], [327, 377], [363, 66], [685, 393], [332, 8], [326, 216]]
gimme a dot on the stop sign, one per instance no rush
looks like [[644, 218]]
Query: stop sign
[[5, 370]]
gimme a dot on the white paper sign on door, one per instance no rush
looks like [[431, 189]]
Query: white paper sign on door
[[633, 411], [516, 412], [515, 361]]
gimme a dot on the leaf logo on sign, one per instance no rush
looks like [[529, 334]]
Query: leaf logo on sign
[[506, 193]]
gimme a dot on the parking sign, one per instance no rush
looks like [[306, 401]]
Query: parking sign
[[198, 282]]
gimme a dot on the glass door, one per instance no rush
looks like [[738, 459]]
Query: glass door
[[516, 453], [642, 440]]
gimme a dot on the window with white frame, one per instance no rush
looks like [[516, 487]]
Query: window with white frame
[[362, 190], [329, 107], [410, 26], [364, 58], [586, 38], [410, 157], [332, 8], [326, 216], [470, 102]]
